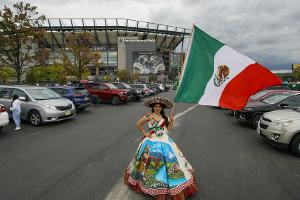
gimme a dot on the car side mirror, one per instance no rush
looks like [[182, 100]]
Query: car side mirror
[[23, 98], [284, 105]]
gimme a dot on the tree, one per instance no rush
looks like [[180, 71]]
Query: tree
[[296, 74], [18, 35], [53, 73], [6, 73], [135, 77], [78, 55], [42, 55], [56, 73], [152, 78], [124, 75], [36, 74]]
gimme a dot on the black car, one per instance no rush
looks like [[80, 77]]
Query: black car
[[139, 88], [132, 93], [154, 88], [254, 110]]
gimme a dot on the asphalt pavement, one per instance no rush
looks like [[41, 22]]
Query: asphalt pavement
[[84, 159]]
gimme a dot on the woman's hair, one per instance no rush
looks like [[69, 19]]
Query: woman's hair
[[15, 96], [162, 112]]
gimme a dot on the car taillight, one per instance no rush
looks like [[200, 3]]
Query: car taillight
[[2, 109]]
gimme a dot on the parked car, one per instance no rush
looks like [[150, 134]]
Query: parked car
[[161, 87], [279, 87], [166, 88], [254, 110], [261, 95], [39, 104], [78, 95], [155, 89], [107, 92], [139, 89], [143, 87], [175, 85], [133, 94], [4, 120], [281, 128]]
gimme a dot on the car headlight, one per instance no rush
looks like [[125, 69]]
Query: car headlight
[[247, 109], [281, 123], [49, 107]]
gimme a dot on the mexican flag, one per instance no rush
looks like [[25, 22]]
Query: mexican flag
[[217, 75]]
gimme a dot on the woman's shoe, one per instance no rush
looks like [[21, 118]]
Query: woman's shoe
[[17, 128]]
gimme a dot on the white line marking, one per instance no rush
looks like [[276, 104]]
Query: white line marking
[[121, 191], [184, 112]]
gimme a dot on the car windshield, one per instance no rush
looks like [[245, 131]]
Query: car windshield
[[126, 85], [258, 95], [138, 86], [111, 86], [119, 85], [81, 90], [277, 98], [42, 94]]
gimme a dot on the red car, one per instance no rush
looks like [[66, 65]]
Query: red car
[[107, 92]]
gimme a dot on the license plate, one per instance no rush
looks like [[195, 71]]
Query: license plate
[[67, 112]]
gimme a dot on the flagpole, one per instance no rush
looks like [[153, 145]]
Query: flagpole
[[174, 103]]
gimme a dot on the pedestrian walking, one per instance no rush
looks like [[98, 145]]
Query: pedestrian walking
[[15, 107], [159, 168]]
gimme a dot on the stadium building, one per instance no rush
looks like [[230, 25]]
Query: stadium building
[[143, 48]]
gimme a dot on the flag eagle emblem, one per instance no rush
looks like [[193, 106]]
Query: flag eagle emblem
[[221, 75]]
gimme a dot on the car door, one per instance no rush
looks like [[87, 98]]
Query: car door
[[292, 102], [105, 92], [25, 105], [5, 98]]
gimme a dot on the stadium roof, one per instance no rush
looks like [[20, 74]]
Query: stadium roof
[[106, 31]]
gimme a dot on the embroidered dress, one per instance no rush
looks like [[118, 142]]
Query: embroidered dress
[[159, 168]]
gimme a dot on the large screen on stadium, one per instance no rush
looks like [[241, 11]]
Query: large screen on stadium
[[148, 63]]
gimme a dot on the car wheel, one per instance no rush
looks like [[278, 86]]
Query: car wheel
[[295, 145], [135, 98], [255, 120], [115, 100], [35, 118]]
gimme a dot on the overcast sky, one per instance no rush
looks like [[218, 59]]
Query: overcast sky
[[266, 30]]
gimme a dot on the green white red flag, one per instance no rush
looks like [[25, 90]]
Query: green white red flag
[[215, 74]]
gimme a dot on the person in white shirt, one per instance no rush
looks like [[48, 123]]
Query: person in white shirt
[[15, 107]]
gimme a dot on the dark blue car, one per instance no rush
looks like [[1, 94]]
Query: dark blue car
[[78, 95]]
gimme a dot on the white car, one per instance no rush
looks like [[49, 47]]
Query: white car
[[3, 117], [282, 129]]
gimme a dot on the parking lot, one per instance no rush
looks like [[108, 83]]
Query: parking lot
[[84, 158]]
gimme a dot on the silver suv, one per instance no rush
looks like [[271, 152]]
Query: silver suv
[[282, 129], [39, 104]]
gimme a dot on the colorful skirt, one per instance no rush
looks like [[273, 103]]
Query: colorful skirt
[[159, 169]]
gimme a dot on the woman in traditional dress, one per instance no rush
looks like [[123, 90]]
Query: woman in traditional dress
[[159, 168]]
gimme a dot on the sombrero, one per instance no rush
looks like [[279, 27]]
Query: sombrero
[[167, 103]]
